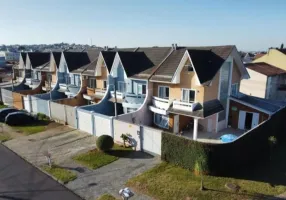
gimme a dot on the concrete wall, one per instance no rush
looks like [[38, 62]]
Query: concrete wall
[[255, 86]]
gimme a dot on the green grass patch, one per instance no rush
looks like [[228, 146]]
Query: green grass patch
[[4, 138], [107, 197], [94, 159], [167, 181], [3, 106], [30, 129], [60, 173]]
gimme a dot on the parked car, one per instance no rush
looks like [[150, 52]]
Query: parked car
[[19, 118], [5, 111]]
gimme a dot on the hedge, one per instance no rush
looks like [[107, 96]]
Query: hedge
[[226, 159]]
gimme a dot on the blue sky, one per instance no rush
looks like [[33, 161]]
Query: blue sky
[[249, 24]]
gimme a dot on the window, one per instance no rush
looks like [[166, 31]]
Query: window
[[121, 86], [141, 89], [163, 92], [189, 67], [188, 95], [234, 89], [91, 83], [104, 84], [161, 120], [76, 80], [67, 79]]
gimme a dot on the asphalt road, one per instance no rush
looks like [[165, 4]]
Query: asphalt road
[[20, 180]]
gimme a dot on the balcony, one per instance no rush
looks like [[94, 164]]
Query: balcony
[[19, 79], [160, 105], [184, 106], [32, 83], [63, 87], [94, 93], [47, 86], [133, 101], [119, 95]]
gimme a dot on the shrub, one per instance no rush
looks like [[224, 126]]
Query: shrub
[[41, 116], [104, 143]]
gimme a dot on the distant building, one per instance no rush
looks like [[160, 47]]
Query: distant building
[[10, 56]]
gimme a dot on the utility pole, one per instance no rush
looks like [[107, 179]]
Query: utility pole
[[50, 85], [115, 100]]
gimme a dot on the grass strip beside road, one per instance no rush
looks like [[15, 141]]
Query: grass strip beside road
[[60, 173]]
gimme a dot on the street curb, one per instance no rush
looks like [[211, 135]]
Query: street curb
[[50, 176]]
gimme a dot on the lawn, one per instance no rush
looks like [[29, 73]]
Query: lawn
[[94, 159], [4, 138], [60, 173], [167, 181], [30, 129], [3, 106], [107, 197]]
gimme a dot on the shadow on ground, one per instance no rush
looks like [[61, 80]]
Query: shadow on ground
[[271, 170], [129, 154]]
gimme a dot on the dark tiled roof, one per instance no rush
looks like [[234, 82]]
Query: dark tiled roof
[[57, 57], [90, 68], [156, 55], [93, 54], [259, 55], [264, 68], [202, 111], [76, 60], [108, 57], [44, 67], [207, 61], [37, 59], [265, 104], [135, 62], [24, 55]]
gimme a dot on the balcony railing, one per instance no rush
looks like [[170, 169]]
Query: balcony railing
[[119, 95], [100, 92], [161, 103], [184, 106]]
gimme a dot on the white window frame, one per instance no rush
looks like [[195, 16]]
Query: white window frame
[[141, 85], [121, 82], [154, 120], [195, 100], [236, 89], [104, 84], [161, 86]]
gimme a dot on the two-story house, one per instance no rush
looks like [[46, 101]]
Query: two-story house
[[34, 62], [266, 81], [191, 89], [131, 71], [19, 70], [51, 70], [96, 75]]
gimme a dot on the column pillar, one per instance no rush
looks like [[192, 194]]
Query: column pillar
[[195, 133]]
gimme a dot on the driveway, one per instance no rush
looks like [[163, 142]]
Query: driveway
[[20, 180], [63, 143]]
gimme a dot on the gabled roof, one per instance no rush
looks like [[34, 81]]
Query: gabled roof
[[264, 68], [93, 54], [76, 60], [206, 60], [90, 69], [57, 57], [37, 59], [23, 55], [108, 57], [134, 62]]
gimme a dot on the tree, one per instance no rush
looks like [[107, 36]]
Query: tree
[[124, 137], [282, 46], [21, 48]]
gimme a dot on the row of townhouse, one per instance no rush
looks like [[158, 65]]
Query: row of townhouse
[[190, 91]]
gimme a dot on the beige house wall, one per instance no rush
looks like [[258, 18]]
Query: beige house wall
[[255, 86], [273, 57], [236, 75], [211, 92]]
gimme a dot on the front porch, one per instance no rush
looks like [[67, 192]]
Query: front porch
[[212, 137]]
